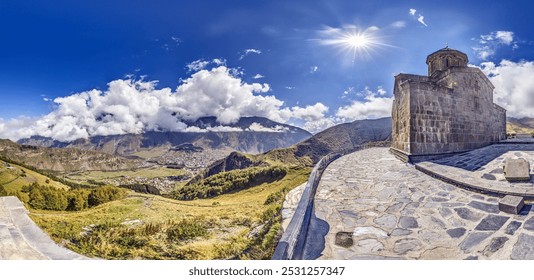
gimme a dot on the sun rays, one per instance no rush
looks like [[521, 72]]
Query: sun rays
[[353, 41]]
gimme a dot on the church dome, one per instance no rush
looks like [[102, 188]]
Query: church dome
[[442, 59]]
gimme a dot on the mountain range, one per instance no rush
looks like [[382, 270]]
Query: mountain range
[[249, 134], [522, 125]]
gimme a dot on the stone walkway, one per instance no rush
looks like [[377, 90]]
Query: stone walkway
[[377, 207], [22, 239], [482, 169]]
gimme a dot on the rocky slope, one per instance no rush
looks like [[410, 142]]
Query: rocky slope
[[334, 139], [523, 125], [67, 159]]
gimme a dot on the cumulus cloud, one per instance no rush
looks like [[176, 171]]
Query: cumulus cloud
[[135, 106], [514, 86], [412, 12], [249, 51], [374, 105], [488, 44], [258, 76]]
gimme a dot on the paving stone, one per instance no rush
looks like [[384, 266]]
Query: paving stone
[[495, 245], [439, 199], [471, 258], [486, 207], [492, 223], [405, 245], [344, 239], [489, 177], [477, 196], [400, 232], [467, 214], [529, 224], [387, 221], [512, 227], [408, 222], [349, 214], [497, 171], [523, 249], [452, 204], [395, 208], [369, 231], [473, 240], [511, 204], [445, 212], [456, 232], [370, 245], [438, 222]]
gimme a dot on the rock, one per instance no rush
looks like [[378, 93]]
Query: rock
[[456, 232], [387, 221], [486, 207], [471, 258], [492, 223], [445, 212], [438, 222], [395, 208], [473, 239], [467, 214], [511, 204], [489, 177], [529, 224], [523, 249], [369, 231], [408, 222], [495, 244], [517, 169], [512, 227], [344, 239], [370, 245], [400, 232], [403, 246]]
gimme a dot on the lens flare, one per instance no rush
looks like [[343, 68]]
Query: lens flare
[[352, 40]]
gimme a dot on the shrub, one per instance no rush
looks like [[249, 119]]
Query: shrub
[[230, 181]]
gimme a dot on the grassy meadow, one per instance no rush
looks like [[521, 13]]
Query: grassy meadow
[[244, 224]]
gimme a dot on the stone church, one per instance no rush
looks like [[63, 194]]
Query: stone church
[[449, 111]]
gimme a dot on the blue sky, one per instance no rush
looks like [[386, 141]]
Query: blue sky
[[277, 49]]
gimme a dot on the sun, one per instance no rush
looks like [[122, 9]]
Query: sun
[[357, 41], [354, 41]]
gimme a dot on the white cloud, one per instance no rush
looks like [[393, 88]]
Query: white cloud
[[197, 65], [258, 127], [200, 64], [249, 51], [421, 19], [374, 105], [258, 76], [314, 69], [290, 87], [398, 24], [488, 44], [514, 86], [46, 99], [176, 40], [135, 106]]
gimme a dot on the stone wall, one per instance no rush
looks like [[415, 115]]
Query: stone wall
[[450, 112]]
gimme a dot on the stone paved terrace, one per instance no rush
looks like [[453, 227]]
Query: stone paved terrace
[[377, 207], [482, 169], [22, 239]]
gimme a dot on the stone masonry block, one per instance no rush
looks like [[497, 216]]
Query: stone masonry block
[[511, 204], [517, 169]]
